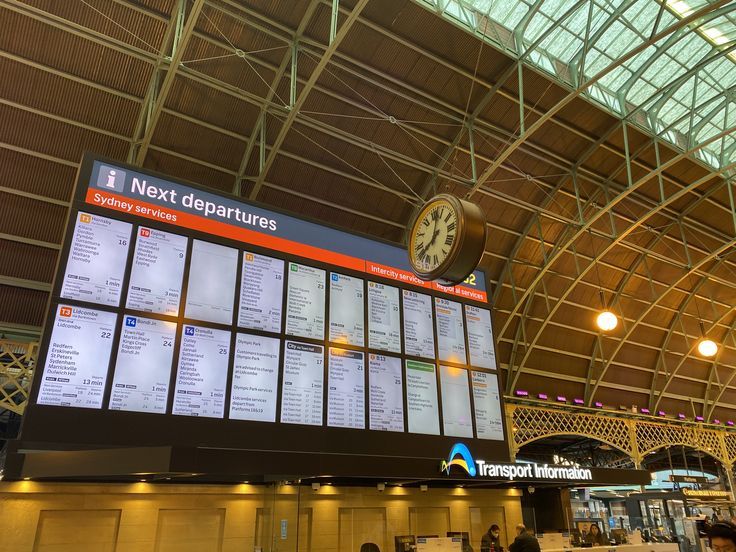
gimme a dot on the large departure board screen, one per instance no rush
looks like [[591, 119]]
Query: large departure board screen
[[185, 317]]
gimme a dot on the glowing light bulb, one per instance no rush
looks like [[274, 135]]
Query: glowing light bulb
[[707, 347], [607, 321]]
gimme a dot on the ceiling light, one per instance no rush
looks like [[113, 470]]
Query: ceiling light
[[707, 347], [607, 321]]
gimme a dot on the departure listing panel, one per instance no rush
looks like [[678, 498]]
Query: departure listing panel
[[301, 392], [261, 293], [158, 269], [255, 378], [78, 357], [143, 366], [346, 310], [450, 331], [346, 393], [480, 337], [385, 398], [305, 309], [421, 398], [487, 402], [456, 418], [418, 331], [384, 330], [96, 262], [211, 290], [201, 376]]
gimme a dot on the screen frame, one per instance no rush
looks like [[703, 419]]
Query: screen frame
[[48, 427]]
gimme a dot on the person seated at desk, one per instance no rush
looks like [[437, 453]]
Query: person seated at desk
[[491, 540], [595, 536], [525, 541]]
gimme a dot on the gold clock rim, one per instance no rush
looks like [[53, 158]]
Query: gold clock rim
[[457, 206]]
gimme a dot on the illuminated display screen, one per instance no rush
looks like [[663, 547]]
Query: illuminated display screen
[[346, 310], [487, 401], [386, 393], [450, 332], [418, 331], [383, 317], [158, 268], [211, 289], [143, 367], [255, 378], [182, 316], [480, 337], [78, 357], [201, 375], [456, 402], [421, 397], [346, 394], [301, 397], [261, 292], [96, 261], [305, 310]]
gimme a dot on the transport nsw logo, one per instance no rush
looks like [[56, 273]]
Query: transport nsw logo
[[459, 456]]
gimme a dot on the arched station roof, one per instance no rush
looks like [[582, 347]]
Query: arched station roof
[[598, 137]]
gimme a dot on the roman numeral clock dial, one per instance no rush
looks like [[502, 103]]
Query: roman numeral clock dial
[[447, 239]]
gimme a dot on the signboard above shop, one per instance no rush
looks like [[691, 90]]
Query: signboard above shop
[[183, 317]]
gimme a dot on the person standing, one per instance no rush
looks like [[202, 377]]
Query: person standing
[[491, 540], [722, 537], [525, 541]]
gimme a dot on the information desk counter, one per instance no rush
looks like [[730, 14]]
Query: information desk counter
[[644, 547]]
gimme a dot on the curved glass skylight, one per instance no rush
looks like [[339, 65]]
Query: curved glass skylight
[[680, 86]]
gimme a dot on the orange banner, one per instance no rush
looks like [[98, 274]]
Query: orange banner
[[208, 226]]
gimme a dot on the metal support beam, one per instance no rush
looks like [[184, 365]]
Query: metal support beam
[[522, 131], [333, 20], [316, 72], [259, 129], [661, 394], [158, 100], [565, 244], [582, 273], [171, 38], [685, 21], [24, 283]]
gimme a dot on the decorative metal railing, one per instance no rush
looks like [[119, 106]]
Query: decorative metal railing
[[634, 435], [17, 361]]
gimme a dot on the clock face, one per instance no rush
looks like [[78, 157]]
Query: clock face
[[433, 236]]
